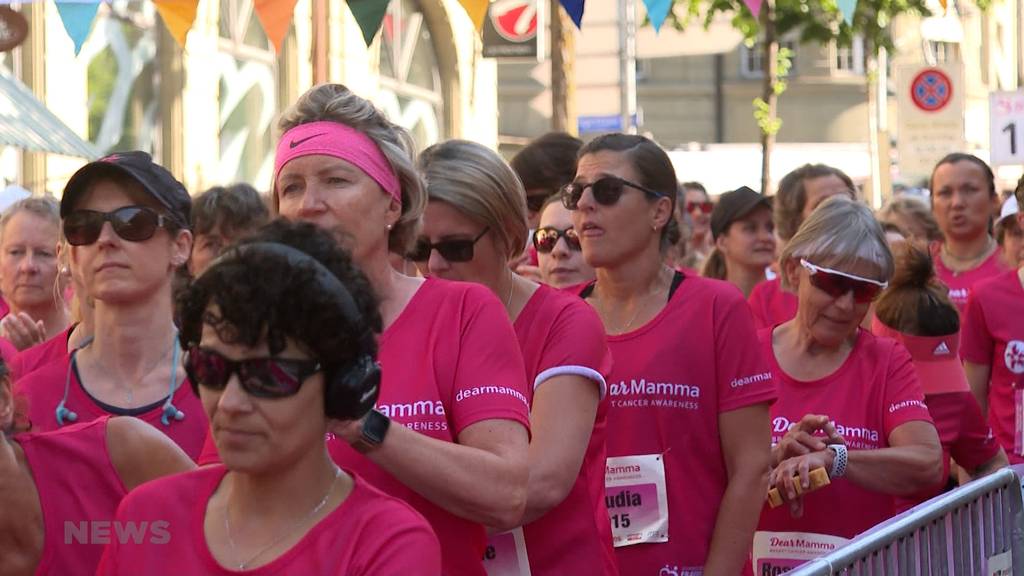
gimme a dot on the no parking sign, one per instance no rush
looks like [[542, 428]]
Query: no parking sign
[[930, 106]]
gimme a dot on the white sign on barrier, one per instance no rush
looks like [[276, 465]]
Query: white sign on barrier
[[1006, 127], [999, 565]]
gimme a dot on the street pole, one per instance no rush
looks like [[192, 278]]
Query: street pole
[[627, 64], [563, 113]]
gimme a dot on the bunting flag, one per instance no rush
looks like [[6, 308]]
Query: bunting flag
[[575, 10], [847, 8], [369, 15], [178, 16], [276, 17], [477, 10], [943, 4], [657, 11], [77, 18], [754, 6]]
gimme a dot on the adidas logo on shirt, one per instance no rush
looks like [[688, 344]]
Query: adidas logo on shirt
[[941, 350]]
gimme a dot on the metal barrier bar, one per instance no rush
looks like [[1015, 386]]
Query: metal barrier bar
[[953, 533]]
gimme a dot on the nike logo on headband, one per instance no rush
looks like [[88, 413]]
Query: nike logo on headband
[[297, 143]]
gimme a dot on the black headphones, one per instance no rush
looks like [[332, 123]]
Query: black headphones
[[350, 389]]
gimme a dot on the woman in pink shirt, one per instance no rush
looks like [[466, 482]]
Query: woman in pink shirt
[[280, 339], [993, 352], [126, 219], [849, 402], [29, 233], [61, 488], [744, 234], [565, 528], [964, 198], [799, 193], [689, 392], [916, 311], [454, 382]]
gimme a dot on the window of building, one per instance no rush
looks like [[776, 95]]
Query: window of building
[[943, 52], [752, 59], [246, 66], [411, 89], [848, 59]]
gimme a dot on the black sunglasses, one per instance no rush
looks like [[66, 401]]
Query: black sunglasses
[[545, 239], [259, 377], [535, 202], [607, 191], [132, 223], [450, 250]]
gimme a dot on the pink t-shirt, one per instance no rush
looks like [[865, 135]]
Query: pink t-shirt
[[7, 351], [875, 391], [44, 388], [771, 304], [449, 360], [79, 491], [961, 283], [30, 359], [993, 335], [672, 379], [560, 334], [368, 534]]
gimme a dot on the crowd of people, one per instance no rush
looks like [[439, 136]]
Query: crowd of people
[[445, 363]]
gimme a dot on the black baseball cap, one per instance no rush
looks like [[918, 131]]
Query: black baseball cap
[[156, 180], [733, 206]]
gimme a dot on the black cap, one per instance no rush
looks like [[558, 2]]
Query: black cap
[[139, 166], [734, 205]]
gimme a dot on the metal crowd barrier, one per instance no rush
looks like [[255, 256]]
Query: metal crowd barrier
[[977, 529]]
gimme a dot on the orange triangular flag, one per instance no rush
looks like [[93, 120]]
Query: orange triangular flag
[[178, 16], [943, 3], [276, 17], [477, 10]]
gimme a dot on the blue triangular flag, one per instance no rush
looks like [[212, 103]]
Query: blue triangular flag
[[657, 10], [575, 10], [77, 18], [847, 8]]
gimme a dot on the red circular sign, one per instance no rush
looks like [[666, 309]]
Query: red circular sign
[[515, 20], [931, 90]]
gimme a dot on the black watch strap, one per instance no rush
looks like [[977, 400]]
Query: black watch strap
[[375, 428]]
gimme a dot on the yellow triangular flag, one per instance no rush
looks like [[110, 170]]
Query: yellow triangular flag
[[276, 17], [943, 3], [477, 10], [178, 16]]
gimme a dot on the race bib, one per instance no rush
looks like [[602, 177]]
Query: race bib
[[779, 552], [505, 554], [636, 499]]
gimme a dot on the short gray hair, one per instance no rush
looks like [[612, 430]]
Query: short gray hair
[[46, 207], [839, 233]]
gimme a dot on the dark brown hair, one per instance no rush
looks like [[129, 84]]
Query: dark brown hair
[[233, 209], [916, 302], [792, 196], [547, 163], [957, 157]]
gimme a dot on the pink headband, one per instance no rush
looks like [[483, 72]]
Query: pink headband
[[340, 141], [936, 358]]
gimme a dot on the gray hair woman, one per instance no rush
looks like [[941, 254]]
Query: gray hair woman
[[848, 402]]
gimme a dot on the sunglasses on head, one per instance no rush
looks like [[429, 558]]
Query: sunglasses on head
[[545, 239], [132, 223], [450, 250], [705, 207], [606, 190], [837, 284], [535, 202], [259, 377]]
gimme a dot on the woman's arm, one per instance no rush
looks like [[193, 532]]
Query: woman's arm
[[561, 421], [912, 462], [481, 478], [997, 462], [141, 453], [746, 436], [978, 376]]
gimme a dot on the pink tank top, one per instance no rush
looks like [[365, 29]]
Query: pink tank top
[[79, 491]]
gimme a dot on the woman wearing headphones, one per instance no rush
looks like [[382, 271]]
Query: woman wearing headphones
[[279, 334], [454, 382], [126, 220], [565, 529]]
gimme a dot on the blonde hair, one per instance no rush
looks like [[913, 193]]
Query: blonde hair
[[840, 233], [914, 209], [477, 182], [336, 103], [46, 207]]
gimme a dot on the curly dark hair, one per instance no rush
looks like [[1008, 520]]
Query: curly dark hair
[[262, 297], [233, 209]]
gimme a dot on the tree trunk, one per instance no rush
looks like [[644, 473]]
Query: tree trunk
[[562, 113], [770, 67]]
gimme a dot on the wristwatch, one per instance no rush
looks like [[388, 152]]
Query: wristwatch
[[375, 427], [839, 462]]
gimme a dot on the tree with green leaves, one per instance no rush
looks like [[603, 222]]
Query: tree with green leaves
[[817, 21]]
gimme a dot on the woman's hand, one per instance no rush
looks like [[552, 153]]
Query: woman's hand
[[797, 469], [801, 438], [22, 331]]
